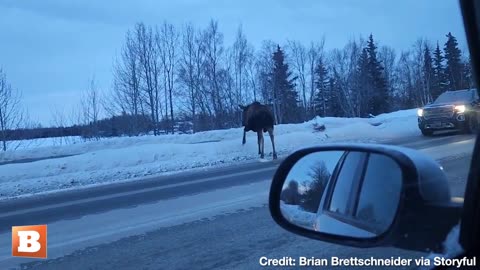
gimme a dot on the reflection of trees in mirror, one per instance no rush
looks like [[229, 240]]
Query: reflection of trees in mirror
[[291, 195], [314, 188]]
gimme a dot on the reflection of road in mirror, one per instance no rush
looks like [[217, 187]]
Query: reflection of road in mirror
[[305, 185]]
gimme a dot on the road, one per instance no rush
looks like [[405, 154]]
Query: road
[[206, 219]]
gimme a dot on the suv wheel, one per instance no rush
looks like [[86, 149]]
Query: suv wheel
[[427, 132]]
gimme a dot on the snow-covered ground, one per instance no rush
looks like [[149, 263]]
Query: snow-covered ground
[[320, 222], [43, 142], [130, 158]]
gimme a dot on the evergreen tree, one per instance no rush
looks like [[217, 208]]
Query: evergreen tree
[[364, 87], [378, 101], [334, 105], [322, 95], [439, 82], [454, 67], [285, 96], [338, 108]]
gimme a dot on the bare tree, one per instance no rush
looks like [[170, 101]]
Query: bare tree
[[212, 40], [167, 40], [387, 56], [424, 96], [189, 75], [150, 72], [299, 60], [315, 52], [242, 55], [264, 66], [126, 96], [343, 64], [12, 116], [60, 121], [230, 82], [251, 71], [91, 104], [126, 85], [405, 83]]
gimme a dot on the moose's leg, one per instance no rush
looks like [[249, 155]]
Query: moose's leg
[[270, 132], [263, 145], [259, 140], [244, 139], [260, 144]]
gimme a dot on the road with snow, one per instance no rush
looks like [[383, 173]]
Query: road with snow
[[208, 218], [54, 165]]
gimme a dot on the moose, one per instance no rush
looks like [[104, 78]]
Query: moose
[[257, 118]]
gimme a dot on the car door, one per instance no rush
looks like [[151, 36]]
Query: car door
[[470, 224], [353, 191]]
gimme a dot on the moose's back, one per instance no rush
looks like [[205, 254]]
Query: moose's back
[[259, 117]]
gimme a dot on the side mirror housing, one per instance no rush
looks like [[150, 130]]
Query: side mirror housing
[[364, 195]]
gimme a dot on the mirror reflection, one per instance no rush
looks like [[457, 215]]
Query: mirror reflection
[[343, 193]]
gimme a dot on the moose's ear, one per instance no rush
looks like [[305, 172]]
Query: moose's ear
[[242, 107]]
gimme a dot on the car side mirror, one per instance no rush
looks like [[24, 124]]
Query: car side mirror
[[364, 196]]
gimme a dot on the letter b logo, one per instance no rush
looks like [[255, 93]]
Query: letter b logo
[[29, 241]]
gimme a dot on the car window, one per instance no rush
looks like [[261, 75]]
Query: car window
[[379, 185], [459, 96], [345, 182]]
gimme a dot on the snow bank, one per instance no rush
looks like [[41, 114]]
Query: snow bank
[[297, 216], [323, 223], [128, 158]]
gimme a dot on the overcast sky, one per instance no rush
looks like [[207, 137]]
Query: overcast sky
[[50, 48]]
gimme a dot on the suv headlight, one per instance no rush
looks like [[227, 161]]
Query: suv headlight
[[460, 108], [420, 112]]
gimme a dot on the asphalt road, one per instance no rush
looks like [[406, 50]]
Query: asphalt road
[[183, 230]]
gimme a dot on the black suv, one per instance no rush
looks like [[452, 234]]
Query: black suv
[[452, 110]]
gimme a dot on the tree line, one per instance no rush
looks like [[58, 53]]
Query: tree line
[[167, 78], [308, 193], [189, 73]]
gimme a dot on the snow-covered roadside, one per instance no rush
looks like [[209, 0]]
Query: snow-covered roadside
[[119, 159]]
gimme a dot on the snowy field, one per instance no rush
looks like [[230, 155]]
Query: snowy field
[[133, 158]]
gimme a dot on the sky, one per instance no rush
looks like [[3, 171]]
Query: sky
[[50, 49], [300, 172]]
